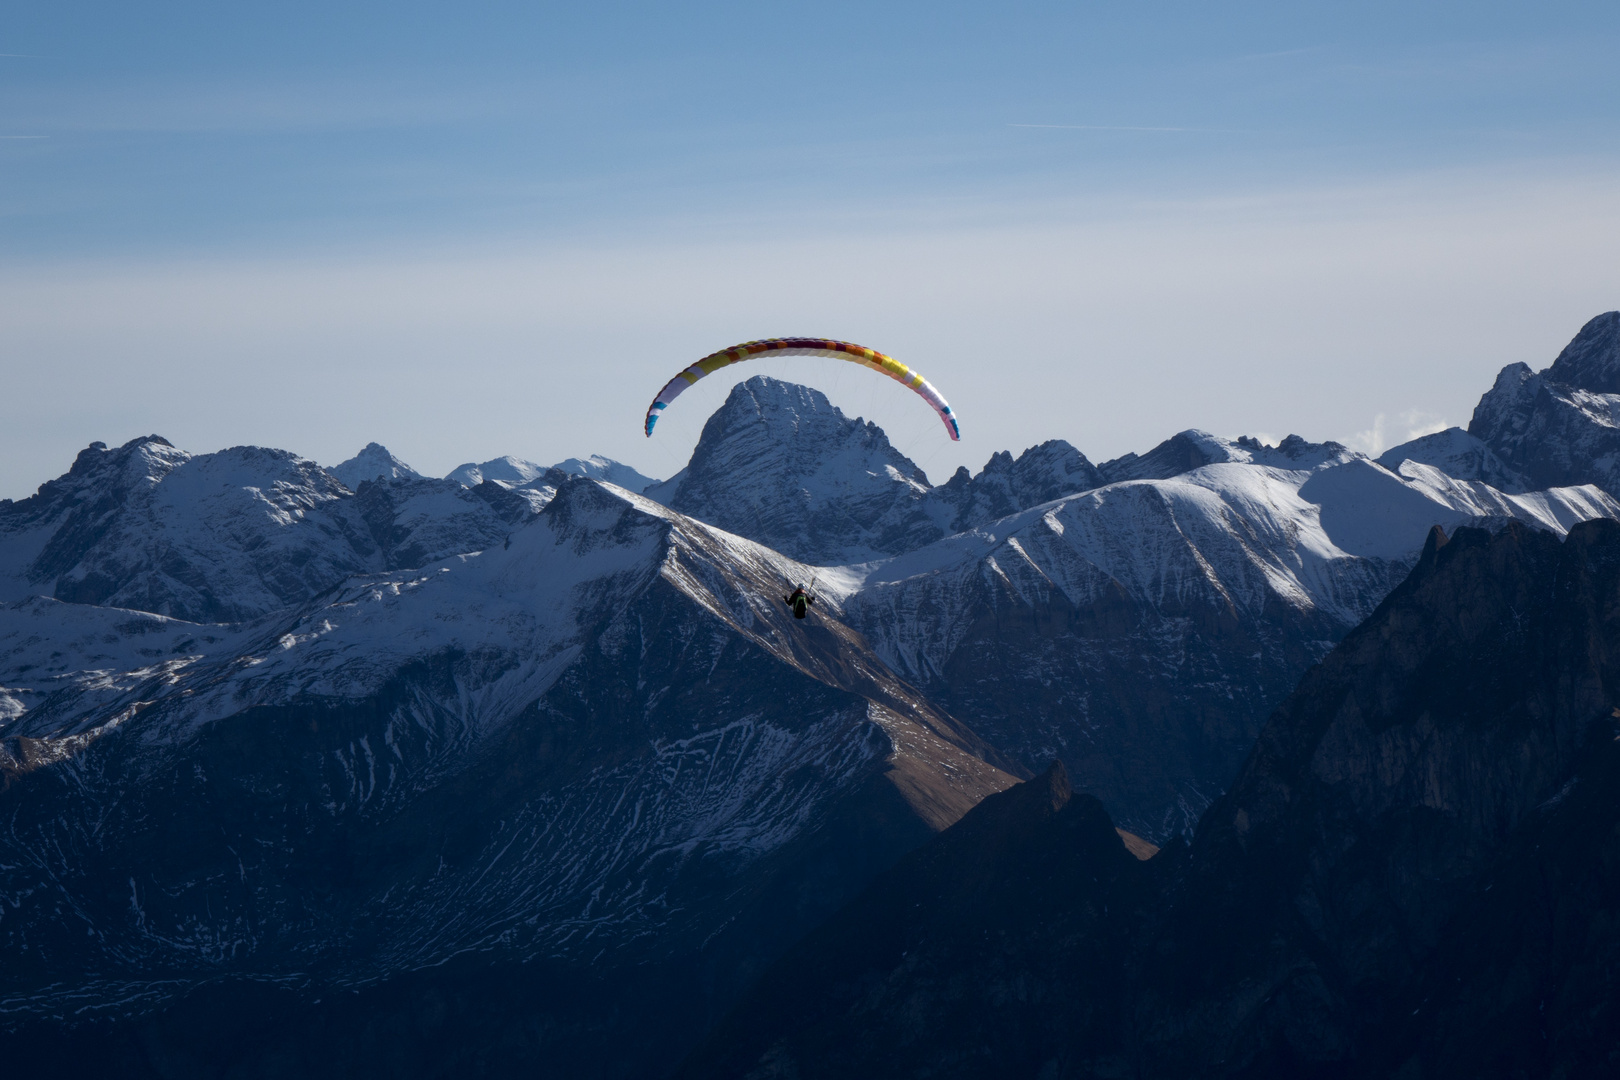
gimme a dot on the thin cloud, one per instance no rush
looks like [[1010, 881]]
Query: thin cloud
[[24, 136], [1130, 127], [1383, 434]]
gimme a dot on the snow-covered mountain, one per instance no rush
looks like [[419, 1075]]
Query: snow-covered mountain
[[373, 463], [516, 472], [230, 535], [508, 470], [1006, 485], [1137, 619], [783, 465], [1560, 426], [506, 754], [598, 467], [1141, 631], [214, 537], [780, 463], [262, 721], [1458, 455]]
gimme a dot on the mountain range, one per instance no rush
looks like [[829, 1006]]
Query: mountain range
[[365, 772]]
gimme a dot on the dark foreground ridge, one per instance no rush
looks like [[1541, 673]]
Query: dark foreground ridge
[[933, 966], [1416, 874]]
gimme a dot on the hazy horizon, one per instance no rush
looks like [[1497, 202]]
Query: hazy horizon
[[475, 233]]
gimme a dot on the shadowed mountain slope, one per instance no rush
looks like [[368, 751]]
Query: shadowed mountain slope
[[1142, 631], [981, 954], [597, 759], [1412, 875]]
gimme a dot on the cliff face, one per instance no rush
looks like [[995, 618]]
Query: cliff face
[[1412, 875], [1558, 426], [1397, 778]]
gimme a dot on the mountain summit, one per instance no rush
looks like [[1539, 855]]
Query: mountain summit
[[779, 463], [373, 463], [1592, 360], [783, 465], [1557, 427]]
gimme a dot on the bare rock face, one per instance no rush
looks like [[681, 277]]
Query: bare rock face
[[780, 464], [1387, 790], [1557, 427], [1591, 361]]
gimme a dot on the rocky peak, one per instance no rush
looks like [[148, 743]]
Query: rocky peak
[[373, 463], [780, 464], [1503, 413], [48, 532], [1592, 360], [1184, 452], [1558, 427], [1005, 485], [139, 462], [798, 420]]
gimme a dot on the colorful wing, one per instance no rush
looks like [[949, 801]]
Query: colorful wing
[[841, 350]]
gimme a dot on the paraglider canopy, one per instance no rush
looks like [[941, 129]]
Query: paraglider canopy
[[842, 350]]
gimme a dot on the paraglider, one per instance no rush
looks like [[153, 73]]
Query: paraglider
[[799, 600], [842, 350]]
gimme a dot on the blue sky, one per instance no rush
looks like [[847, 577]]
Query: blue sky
[[467, 230]]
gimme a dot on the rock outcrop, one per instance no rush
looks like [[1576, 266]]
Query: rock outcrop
[[1558, 427]]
